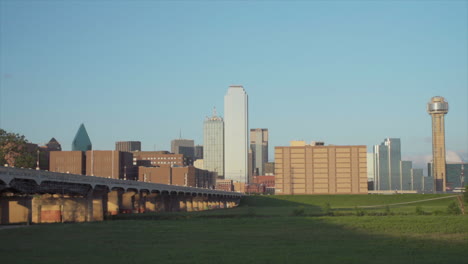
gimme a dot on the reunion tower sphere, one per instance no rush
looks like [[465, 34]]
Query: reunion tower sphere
[[437, 105]]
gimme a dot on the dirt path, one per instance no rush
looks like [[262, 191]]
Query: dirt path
[[419, 201]]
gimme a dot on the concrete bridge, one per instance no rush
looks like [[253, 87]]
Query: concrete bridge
[[30, 196]]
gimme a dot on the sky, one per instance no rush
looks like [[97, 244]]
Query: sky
[[342, 72]]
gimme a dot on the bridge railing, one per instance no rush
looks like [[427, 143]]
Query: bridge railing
[[7, 174]]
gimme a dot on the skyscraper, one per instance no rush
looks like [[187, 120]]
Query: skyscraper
[[387, 157], [438, 108], [236, 134], [259, 146], [81, 141], [213, 144]]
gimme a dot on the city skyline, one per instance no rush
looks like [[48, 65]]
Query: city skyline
[[329, 65]]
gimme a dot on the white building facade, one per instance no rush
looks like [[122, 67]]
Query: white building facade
[[236, 134], [213, 140]]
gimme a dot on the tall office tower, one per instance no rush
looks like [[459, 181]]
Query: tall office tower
[[183, 146], [81, 141], [213, 144], [259, 146], [128, 146], [438, 108], [236, 137], [387, 157], [406, 181], [417, 179]]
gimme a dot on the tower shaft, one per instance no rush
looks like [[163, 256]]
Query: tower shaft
[[438, 152]]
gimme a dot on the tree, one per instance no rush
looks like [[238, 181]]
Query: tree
[[14, 151]]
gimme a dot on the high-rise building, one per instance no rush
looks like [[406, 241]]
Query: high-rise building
[[236, 137], [417, 180], [370, 167], [213, 140], [320, 169], [259, 146], [406, 182], [183, 146], [438, 108], [456, 177], [387, 157], [198, 152], [128, 146], [81, 141]]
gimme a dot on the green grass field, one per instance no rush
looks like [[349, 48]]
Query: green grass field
[[262, 230]]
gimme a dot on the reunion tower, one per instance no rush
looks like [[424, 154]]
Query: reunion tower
[[438, 108]]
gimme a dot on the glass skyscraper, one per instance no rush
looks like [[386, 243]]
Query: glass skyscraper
[[236, 137], [81, 141], [387, 157], [213, 144], [259, 146]]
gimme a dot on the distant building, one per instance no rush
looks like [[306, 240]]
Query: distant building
[[387, 157], [128, 146], [53, 145], [306, 169], [81, 141], [456, 174], [183, 146], [417, 180], [259, 146], [73, 162], [370, 167], [213, 144], [406, 181], [199, 164], [160, 159], [236, 137], [183, 176], [110, 164], [198, 152], [269, 168]]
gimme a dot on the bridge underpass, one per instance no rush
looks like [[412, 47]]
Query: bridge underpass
[[29, 196]]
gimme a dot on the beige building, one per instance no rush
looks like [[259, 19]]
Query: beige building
[[67, 162], [318, 169]]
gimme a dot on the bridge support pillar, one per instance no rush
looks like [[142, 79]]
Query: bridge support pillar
[[128, 199], [182, 203], [151, 203], [15, 210], [140, 202], [174, 201], [166, 202], [114, 202], [189, 203]]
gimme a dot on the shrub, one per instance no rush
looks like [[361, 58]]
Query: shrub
[[327, 210], [387, 210], [453, 208], [359, 211], [420, 211], [299, 211]]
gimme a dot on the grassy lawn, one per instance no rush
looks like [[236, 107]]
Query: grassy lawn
[[261, 231]]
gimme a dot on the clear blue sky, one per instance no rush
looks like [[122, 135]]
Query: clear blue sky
[[343, 72]]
